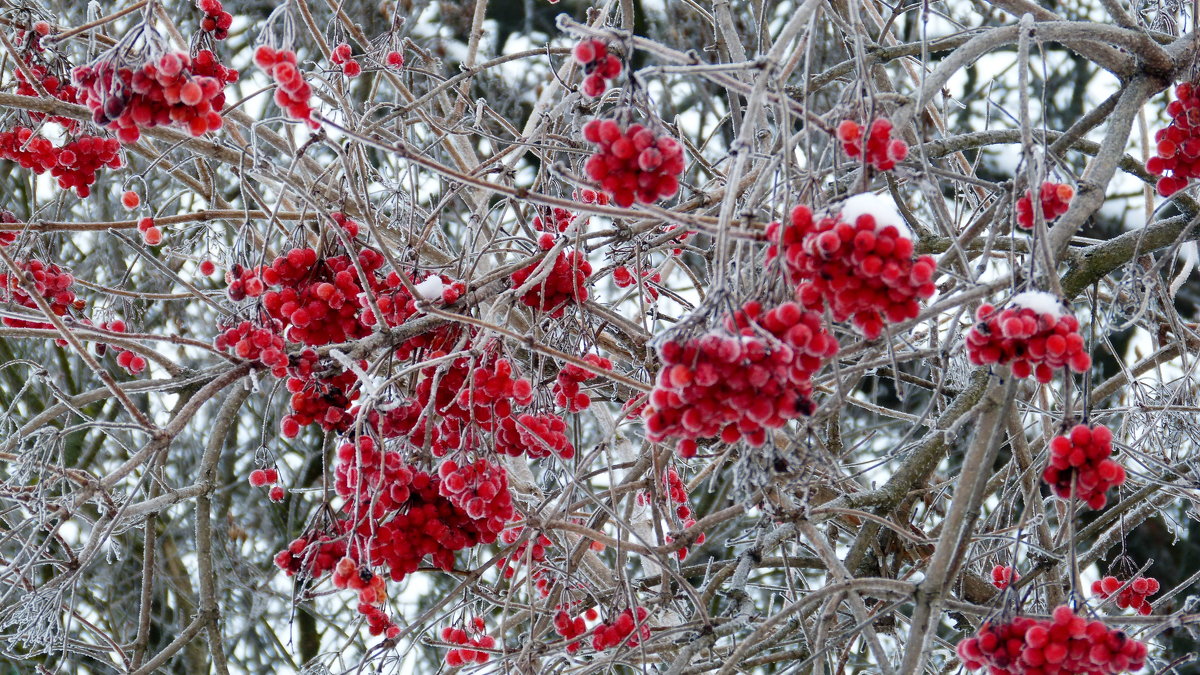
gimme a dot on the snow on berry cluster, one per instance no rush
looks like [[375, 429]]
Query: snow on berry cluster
[[1080, 464], [1031, 336], [74, 164], [1055, 199], [256, 343], [169, 89], [267, 477], [534, 435], [293, 92], [1004, 576], [629, 628], [598, 66], [343, 56], [1177, 158], [480, 489], [324, 401], [881, 151], [566, 386], [1066, 643], [564, 282], [860, 263], [633, 164], [473, 646], [50, 281], [754, 375], [216, 21], [1133, 597]]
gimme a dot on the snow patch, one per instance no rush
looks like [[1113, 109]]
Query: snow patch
[[431, 288], [1040, 302], [882, 208]]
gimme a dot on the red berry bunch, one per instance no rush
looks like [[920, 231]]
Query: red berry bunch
[[1178, 146], [480, 489], [534, 550], [293, 92], [624, 278], [534, 435], [1055, 198], [472, 650], [256, 343], [738, 383], [1004, 576], [1067, 643], [860, 264], [216, 21], [132, 363], [565, 282], [598, 66], [320, 400], [372, 594], [151, 235], [318, 301], [58, 87], [566, 385], [343, 56], [561, 220], [168, 89], [882, 151], [1079, 462], [268, 478], [74, 164], [633, 164], [311, 556], [8, 236], [625, 629], [481, 395], [49, 281], [569, 628], [1032, 336], [1134, 596]]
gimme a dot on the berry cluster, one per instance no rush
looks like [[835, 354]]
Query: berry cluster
[[881, 151], [1178, 146], [480, 489], [633, 164], [561, 220], [256, 343], [60, 88], [8, 236], [74, 164], [860, 264], [739, 383], [216, 21], [625, 629], [1004, 575], [534, 435], [49, 281], [151, 235], [1134, 596], [598, 66], [566, 385], [323, 401], [570, 629], [372, 593], [1033, 336], [170, 89], [132, 363], [1067, 643], [535, 550], [624, 278], [472, 650], [564, 282], [268, 478], [311, 556], [1055, 198], [343, 56], [293, 92], [1079, 463]]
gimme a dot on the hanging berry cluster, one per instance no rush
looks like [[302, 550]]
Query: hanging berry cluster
[[860, 264], [623, 278], [629, 628], [1133, 597], [74, 164], [739, 383], [1055, 199], [598, 66], [132, 363], [570, 629], [343, 56], [1080, 464], [256, 343], [533, 551], [51, 282], [564, 282], [1067, 643], [633, 164], [1004, 576], [1032, 336], [473, 649], [1177, 158], [216, 21], [292, 92], [566, 386], [881, 150], [372, 593], [268, 477], [169, 89]]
